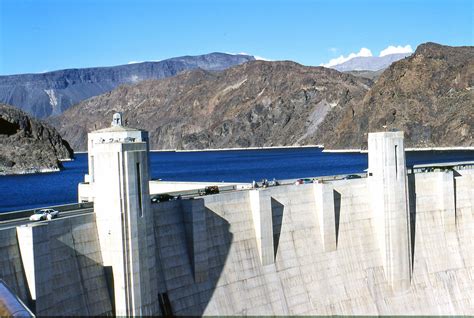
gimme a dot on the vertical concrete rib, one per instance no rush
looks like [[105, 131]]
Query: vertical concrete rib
[[35, 255], [324, 195], [446, 198], [261, 209], [196, 236]]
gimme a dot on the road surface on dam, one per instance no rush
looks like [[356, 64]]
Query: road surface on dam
[[25, 220]]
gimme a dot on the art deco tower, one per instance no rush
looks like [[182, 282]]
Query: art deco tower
[[119, 176]]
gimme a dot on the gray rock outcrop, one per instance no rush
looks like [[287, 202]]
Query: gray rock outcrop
[[28, 145]]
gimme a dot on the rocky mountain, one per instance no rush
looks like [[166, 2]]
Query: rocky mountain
[[254, 104], [369, 63], [29, 145], [42, 95], [373, 75], [429, 95]]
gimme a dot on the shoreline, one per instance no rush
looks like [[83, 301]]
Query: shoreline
[[455, 148], [350, 150], [342, 150], [244, 148], [440, 148], [29, 171]]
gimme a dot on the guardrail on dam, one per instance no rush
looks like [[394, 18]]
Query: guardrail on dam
[[331, 248]]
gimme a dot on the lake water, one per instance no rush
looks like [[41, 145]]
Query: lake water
[[46, 189]]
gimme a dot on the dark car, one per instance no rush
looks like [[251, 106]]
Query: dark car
[[162, 198], [303, 181], [211, 190], [352, 176]]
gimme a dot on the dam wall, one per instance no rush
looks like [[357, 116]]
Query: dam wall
[[285, 250], [56, 267], [11, 267], [308, 275]]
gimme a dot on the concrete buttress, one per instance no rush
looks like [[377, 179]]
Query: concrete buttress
[[324, 194]]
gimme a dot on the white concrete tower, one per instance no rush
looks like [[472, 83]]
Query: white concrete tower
[[389, 196], [119, 176]]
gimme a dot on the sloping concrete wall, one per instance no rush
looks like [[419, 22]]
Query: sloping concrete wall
[[11, 268], [307, 277], [63, 264]]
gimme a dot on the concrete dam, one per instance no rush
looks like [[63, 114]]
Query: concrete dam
[[400, 241]]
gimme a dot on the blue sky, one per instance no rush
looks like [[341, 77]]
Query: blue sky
[[45, 35]]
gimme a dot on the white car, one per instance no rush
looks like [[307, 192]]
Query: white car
[[44, 214]]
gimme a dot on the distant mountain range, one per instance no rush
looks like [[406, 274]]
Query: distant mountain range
[[369, 63], [254, 104], [47, 94], [429, 95]]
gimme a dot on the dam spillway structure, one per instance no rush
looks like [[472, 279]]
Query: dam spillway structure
[[396, 241]]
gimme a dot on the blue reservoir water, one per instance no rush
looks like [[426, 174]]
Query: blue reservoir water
[[46, 189]]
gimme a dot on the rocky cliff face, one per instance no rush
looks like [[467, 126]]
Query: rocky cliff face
[[429, 95], [254, 104], [28, 145], [42, 95]]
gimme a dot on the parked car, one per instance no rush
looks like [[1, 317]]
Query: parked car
[[273, 183], [352, 176], [162, 198], [44, 214], [211, 190], [303, 181]]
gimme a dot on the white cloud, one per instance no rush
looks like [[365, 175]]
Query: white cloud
[[396, 49], [333, 50], [341, 59], [261, 58]]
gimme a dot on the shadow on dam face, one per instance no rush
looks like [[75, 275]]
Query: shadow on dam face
[[277, 219], [412, 209], [337, 212], [192, 247]]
